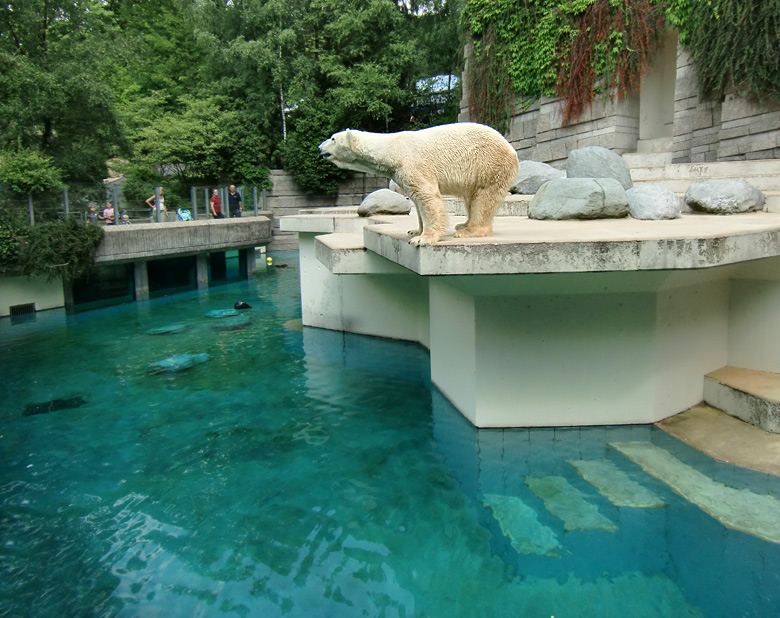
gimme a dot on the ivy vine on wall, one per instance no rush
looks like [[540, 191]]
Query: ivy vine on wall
[[578, 49]]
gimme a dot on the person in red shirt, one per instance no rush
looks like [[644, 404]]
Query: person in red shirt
[[216, 205]]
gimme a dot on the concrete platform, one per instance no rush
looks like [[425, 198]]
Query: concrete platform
[[556, 323], [749, 395], [521, 246], [726, 438]]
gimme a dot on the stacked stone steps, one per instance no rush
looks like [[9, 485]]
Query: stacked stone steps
[[762, 174], [750, 395]]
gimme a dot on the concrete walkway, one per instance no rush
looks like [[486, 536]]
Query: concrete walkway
[[726, 438]]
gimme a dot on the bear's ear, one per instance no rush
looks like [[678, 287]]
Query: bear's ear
[[351, 138]]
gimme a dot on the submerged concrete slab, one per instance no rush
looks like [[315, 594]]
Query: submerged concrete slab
[[739, 509]]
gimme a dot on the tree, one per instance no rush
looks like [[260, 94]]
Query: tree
[[27, 170], [55, 91], [303, 69]]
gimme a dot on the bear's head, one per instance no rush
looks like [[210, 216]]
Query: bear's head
[[342, 149]]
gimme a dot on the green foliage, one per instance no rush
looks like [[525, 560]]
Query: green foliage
[[576, 49], [734, 45], [302, 158], [208, 91], [141, 182], [64, 248], [10, 232], [27, 170], [573, 49], [295, 71], [55, 91]]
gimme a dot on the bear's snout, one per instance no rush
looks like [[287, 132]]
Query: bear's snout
[[323, 149]]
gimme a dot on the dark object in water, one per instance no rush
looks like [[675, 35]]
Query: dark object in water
[[171, 329], [179, 362], [240, 304], [222, 313], [234, 323], [52, 406], [280, 265]]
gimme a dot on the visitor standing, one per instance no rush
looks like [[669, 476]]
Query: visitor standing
[[152, 207], [92, 216], [108, 214], [234, 202], [216, 205]]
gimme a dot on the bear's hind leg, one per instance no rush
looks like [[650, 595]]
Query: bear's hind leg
[[467, 199], [481, 209]]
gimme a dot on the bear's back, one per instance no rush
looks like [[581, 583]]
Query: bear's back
[[459, 155]]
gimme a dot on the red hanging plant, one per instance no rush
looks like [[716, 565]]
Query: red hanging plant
[[612, 49]]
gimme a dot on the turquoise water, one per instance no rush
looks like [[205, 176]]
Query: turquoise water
[[302, 472]]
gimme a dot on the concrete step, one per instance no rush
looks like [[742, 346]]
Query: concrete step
[[747, 394], [751, 171]]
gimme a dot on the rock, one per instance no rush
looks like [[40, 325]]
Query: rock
[[170, 329], [724, 197], [579, 198], [234, 323], [598, 162], [653, 202], [32, 409], [179, 362], [222, 313], [384, 202], [531, 175]]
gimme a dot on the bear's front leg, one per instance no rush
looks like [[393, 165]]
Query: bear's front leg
[[419, 229], [433, 216]]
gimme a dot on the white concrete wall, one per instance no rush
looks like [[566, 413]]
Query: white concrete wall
[[565, 360], [393, 305], [23, 290], [691, 340], [656, 95], [754, 325], [453, 345]]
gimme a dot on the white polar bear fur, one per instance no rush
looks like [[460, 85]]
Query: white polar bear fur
[[465, 159]]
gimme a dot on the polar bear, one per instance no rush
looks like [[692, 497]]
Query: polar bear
[[466, 159]]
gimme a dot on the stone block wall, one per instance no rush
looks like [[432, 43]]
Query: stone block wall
[[287, 198], [748, 131], [612, 124], [696, 122]]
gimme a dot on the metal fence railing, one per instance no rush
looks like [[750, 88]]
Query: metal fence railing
[[98, 203]]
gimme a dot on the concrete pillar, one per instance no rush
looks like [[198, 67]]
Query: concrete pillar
[[202, 271], [67, 293], [250, 261], [141, 280]]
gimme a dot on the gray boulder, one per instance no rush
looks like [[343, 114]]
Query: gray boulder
[[384, 202], [531, 175], [579, 198], [653, 202], [724, 197], [598, 162]]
